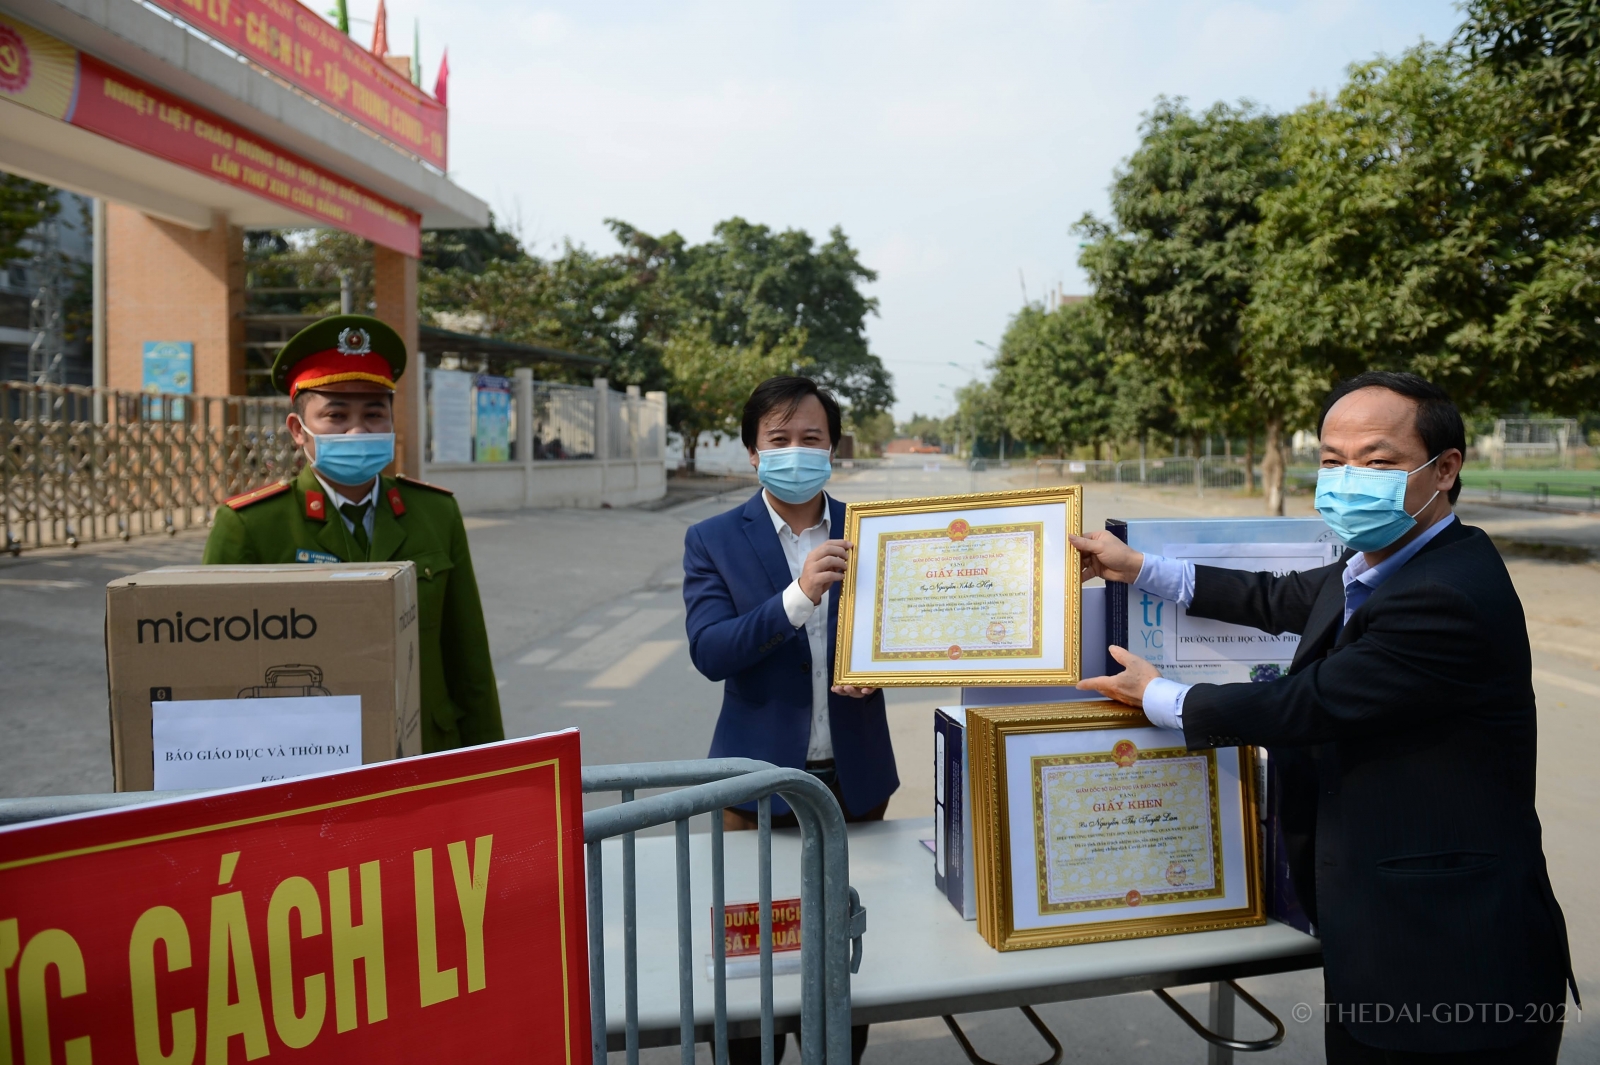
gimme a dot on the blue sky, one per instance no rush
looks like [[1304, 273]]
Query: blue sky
[[956, 143]]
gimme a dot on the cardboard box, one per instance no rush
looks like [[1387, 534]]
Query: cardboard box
[[256, 632]]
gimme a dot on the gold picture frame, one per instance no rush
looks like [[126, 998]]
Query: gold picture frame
[[1100, 751], [1026, 624]]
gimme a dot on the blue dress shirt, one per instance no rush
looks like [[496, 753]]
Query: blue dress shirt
[[1173, 579]]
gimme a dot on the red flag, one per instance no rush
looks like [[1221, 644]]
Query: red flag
[[441, 86], [380, 32]]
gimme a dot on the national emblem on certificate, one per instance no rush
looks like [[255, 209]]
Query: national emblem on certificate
[[1089, 824], [965, 589]]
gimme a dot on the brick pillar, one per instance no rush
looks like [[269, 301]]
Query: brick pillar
[[394, 284], [168, 282]]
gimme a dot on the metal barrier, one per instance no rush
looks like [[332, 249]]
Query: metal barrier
[[1165, 472], [93, 463], [832, 920]]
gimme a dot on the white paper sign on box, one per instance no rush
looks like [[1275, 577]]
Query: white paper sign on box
[[1192, 639], [223, 743]]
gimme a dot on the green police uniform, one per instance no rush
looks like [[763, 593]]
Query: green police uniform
[[413, 521]]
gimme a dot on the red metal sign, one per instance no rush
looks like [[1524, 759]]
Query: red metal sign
[[136, 113], [299, 46], [420, 910]]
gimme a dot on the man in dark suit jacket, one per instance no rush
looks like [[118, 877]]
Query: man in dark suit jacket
[[757, 587], [1405, 732]]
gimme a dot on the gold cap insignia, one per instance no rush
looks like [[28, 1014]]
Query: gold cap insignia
[[354, 341]]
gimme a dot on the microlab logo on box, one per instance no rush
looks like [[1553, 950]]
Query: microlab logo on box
[[238, 628]]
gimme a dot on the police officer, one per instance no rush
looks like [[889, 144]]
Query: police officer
[[340, 373]]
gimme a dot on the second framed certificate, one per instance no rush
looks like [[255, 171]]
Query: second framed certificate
[[1090, 825], [956, 590]]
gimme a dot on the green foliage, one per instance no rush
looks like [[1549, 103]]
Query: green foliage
[[708, 382], [727, 298], [750, 281], [1412, 239], [980, 415], [1173, 269], [1055, 378], [579, 302], [1548, 53], [1438, 214], [871, 431], [299, 271], [1376, 254], [23, 205], [471, 250], [1542, 59], [925, 428]]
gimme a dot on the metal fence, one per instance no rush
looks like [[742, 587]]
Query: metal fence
[[832, 921], [83, 464], [563, 421], [1200, 474], [638, 430]]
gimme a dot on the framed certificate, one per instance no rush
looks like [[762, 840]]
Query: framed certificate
[[1089, 824], [962, 590]]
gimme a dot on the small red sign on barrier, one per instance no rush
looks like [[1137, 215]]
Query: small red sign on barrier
[[411, 910], [741, 922]]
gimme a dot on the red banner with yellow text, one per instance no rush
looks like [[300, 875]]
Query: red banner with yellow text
[[125, 109], [427, 909], [299, 46]]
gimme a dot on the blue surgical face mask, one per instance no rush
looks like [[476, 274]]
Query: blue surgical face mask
[[794, 474], [1366, 508], [352, 458]]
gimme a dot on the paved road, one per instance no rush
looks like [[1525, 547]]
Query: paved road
[[586, 625]]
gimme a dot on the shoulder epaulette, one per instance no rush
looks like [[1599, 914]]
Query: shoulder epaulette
[[403, 479], [256, 495]]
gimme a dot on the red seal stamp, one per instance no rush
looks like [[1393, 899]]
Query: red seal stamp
[[954, 652], [1124, 753], [1133, 898], [1177, 873], [16, 66], [958, 530], [997, 631]]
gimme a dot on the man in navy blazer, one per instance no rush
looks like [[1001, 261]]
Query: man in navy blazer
[[763, 616], [1406, 732]]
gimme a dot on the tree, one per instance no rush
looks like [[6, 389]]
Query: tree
[[708, 382], [1542, 59], [1054, 378], [749, 281], [580, 302], [980, 415], [1408, 242], [871, 431], [1176, 266], [23, 205], [925, 429], [471, 250]]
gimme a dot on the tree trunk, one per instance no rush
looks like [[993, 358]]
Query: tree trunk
[[1272, 465], [1250, 463]]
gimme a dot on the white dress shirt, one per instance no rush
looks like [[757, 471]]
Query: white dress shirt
[[337, 499], [813, 616], [1173, 579]]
